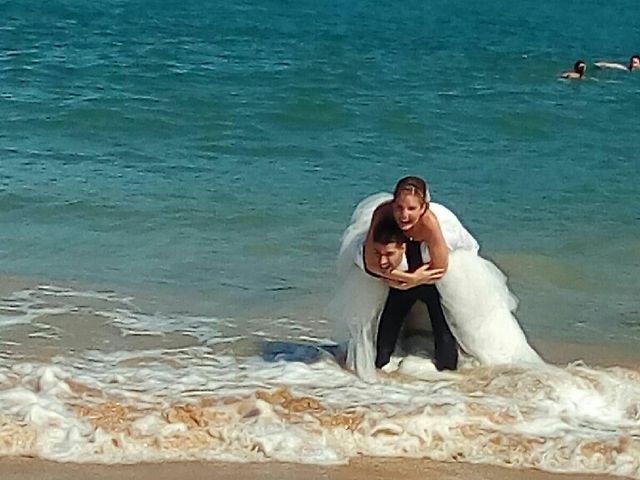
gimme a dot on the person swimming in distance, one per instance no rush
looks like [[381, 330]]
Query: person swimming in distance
[[634, 64], [579, 69]]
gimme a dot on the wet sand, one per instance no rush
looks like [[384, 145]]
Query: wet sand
[[358, 469]]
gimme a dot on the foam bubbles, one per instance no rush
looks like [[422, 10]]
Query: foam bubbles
[[153, 401], [190, 404]]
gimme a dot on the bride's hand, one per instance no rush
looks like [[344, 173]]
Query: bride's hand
[[397, 284], [425, 275], [422, 276]]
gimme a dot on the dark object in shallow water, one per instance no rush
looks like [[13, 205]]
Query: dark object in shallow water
[[275, 351]]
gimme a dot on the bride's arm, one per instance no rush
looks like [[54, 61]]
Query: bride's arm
[[438, 250], [424, 275]]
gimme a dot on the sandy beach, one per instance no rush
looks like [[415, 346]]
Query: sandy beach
[[360, 469]]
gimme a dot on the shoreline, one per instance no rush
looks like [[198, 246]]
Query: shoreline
[[562, 353], [362, 468], [605, 351]]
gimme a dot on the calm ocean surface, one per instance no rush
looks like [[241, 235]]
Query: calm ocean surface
[[207, 155]]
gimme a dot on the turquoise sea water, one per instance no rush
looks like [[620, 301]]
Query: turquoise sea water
[[208, 155]]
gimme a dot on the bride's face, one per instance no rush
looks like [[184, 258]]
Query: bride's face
[[407, 210]]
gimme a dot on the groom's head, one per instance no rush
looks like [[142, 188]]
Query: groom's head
[[389, 243]]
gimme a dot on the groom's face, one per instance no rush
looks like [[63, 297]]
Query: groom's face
[[389, 255]]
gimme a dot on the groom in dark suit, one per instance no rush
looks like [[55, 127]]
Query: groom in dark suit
[[399, 302]]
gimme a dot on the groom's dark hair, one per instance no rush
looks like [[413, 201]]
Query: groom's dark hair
[[387, 231]]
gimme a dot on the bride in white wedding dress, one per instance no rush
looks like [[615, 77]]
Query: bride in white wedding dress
[[477, 303]]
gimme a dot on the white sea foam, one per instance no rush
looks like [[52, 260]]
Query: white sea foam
[[190, 404], [194, 403], [35, 305]]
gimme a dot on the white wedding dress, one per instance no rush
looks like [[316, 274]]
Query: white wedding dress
[[477, 303]]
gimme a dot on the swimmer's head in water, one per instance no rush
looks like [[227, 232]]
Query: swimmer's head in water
[[388, 243], [580, 67], [410, 201], [634, 62]]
